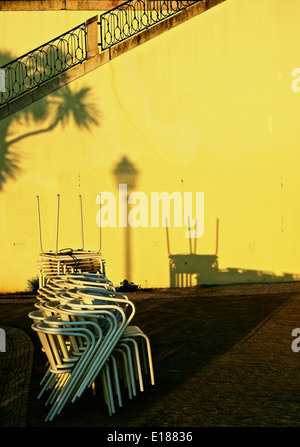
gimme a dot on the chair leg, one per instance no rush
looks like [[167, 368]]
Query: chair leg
[[130, 365], [137, 364], [116, 380]]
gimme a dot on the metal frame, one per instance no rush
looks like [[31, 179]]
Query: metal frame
[[134, 16], [44, 63]]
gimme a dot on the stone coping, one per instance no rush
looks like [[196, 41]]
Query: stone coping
[[58, 5]]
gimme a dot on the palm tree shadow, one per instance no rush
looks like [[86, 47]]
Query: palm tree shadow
[[63, 107]]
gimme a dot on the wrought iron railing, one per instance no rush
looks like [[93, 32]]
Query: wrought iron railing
[[44, 63], [134, 16], [70, 49]]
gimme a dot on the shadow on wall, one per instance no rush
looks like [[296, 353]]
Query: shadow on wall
[[126, 173], [192, 269], [51, 111]]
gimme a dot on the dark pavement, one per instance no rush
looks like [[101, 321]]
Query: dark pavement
[[222, 358]]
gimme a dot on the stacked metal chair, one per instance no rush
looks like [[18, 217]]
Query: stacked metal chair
[[53, 263], [86, 332]]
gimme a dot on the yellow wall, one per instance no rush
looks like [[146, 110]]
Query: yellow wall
[[207, 106]]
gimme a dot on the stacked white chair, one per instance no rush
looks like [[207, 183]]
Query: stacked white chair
[[86, 332]]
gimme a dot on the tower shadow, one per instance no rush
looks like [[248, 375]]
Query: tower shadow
[[126, 173]]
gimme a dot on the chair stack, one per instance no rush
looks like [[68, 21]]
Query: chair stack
[[86, 333], [69, 261]]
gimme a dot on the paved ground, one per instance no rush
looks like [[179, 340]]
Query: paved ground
[[15, 375], [222, 358]]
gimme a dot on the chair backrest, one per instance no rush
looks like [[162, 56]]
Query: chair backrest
[[49, 307], [37, 316], [58, 342], [113, 306], [76, 343]]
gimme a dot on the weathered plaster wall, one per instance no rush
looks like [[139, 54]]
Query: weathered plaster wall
[[206, 107]]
